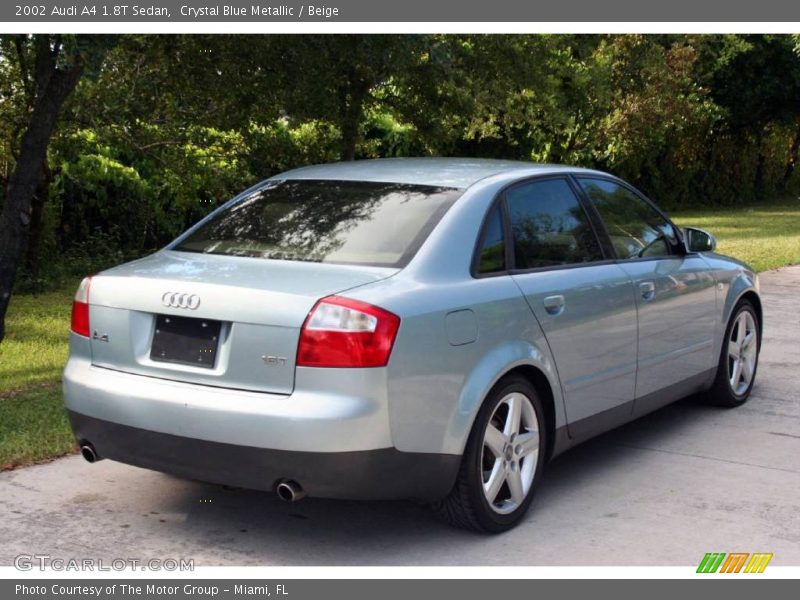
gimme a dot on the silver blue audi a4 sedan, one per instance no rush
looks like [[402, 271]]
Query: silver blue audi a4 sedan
[[430, 329]]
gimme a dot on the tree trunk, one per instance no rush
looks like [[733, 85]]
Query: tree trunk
[[349, 139], [794, 155], [353, 97], [33, 258], [53, 85], [761, 164]]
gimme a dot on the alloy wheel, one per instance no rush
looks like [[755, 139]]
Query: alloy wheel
[[510, 453], [742, 352]]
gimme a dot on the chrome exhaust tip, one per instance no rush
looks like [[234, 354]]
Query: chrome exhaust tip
[[88, 453], [289, 491]]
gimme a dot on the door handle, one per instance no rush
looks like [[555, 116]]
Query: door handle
[[554, 305], [648, 290]]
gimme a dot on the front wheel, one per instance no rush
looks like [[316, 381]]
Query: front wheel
[[502, 462], [736, 372]]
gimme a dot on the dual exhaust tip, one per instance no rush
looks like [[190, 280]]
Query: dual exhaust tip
[[287, 490], [89, 453]]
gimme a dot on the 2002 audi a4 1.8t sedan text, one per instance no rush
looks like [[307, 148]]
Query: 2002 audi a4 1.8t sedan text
[[432, 329]]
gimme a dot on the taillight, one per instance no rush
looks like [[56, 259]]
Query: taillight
[[340, 332], [80, 309]]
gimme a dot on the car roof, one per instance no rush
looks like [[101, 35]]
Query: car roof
[[440, 172]]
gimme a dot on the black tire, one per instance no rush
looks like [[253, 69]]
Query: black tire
[[466, 506], [722, 392]]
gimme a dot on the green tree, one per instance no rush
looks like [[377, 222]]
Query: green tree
[[49, 68]]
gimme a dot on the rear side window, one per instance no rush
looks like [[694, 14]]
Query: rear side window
[[492, 258], [347, 222], [549, 225], [636, 229]]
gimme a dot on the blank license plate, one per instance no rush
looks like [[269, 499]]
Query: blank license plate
[[185, 341]]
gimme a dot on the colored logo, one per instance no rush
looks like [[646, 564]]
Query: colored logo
[[735, 562]]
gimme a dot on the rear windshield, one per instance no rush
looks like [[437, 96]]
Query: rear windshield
[[347, 222]]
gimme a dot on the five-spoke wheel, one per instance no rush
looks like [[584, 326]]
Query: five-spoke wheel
[[742, 352], [738, 362], [510, 453], [502, 462]]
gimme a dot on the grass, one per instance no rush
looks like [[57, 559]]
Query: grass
[[33, 427], [765, 237], [34, 350], [33, 423]]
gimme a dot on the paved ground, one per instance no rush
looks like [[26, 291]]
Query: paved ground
[[661, 491]]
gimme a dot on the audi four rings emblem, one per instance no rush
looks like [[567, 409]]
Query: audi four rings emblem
[[180, 300]]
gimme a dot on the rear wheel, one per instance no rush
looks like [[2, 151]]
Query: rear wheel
[[502, 462], [736, 372]]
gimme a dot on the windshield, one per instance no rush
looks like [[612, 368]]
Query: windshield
[[348, 222]]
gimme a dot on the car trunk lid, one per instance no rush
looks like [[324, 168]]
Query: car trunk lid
[[215, 320]]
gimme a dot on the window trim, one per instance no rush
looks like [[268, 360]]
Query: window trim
[[601, 222], [497, 203], [511, 268]]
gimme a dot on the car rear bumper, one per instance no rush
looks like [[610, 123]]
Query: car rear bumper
[[330, 410], [377, 474], [331, 435]]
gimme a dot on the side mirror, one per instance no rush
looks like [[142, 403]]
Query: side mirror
[[697, 240]]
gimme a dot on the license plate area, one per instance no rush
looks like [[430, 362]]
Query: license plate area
[[185, 341]]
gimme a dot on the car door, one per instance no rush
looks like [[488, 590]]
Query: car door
[[675, 292], [583, 301]]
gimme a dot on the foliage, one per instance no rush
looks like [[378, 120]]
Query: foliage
[[172, 126], [165, 128], [278, 146]]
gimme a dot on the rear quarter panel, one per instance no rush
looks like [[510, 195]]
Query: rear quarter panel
[[437, 381]]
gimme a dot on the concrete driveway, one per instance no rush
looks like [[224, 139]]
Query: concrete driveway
[[664, 490]]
